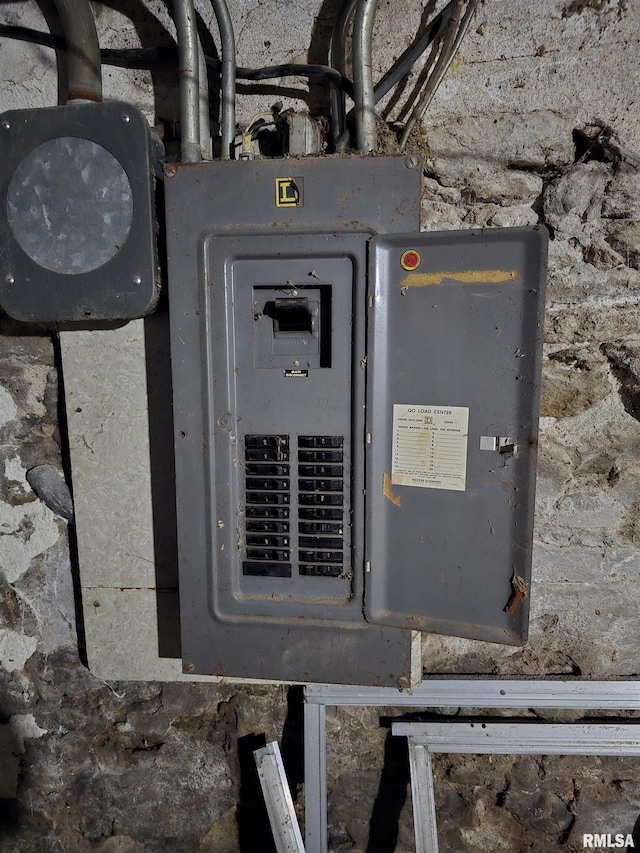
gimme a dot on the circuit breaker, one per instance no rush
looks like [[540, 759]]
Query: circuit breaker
[[355, 412]]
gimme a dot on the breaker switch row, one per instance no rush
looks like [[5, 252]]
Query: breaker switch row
[[321, 500], [267, 506]]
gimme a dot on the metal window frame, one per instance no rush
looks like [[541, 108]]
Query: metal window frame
[[439, 693], [509, 738]]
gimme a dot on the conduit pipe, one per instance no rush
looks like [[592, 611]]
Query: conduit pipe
[[338, 61], [83, 50], [228, 76], [203, 98], [366, 136], [185, 20]]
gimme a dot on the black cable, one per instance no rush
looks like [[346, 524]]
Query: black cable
[[33, 36], [124, 58], [139, 57], [395, 75], [147, 56], [294, 70]]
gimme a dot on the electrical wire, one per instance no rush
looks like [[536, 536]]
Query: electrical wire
[[453, 36], [334, 74], [338, 60], [337, 50], [147, 57], [395, 75], [293, 70], [33, 36]]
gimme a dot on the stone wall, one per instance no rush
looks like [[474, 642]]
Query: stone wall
[[536, 122]]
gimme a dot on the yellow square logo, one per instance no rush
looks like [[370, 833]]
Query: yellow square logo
[[288, 192]]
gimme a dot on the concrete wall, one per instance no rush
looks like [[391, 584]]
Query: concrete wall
[[535, 122]]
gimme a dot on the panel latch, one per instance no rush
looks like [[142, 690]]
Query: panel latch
[[498, 443]]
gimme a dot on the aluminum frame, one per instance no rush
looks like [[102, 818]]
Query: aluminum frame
[[509, 738], [278, 800], [517, 737], [438, 693]]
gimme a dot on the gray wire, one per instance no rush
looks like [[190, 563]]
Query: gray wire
[[451, 42], [436, 27], [228, 76], [185, 19], [366, 135]]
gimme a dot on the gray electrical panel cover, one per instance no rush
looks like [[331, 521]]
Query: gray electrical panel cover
[[267, 288], [355, 412], [455, 342]]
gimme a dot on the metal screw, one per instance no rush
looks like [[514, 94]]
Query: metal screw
[[170, 170], [296, 363], [125, 119], [294, 292], [503, 692], [411, 161], [136, 279], [6, 125], [223, 422], [402, 682], [10, 279], [188, 667]]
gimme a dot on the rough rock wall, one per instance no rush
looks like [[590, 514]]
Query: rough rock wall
[[535, 122], [585, 191], [585, 188]]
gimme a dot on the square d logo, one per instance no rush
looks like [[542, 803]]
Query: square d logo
[[288, 192]]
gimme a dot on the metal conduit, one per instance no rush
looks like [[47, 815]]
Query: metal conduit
[[185, 20], [203, 90], [228, 76], [83, 50], [338, 61], [366, 136]]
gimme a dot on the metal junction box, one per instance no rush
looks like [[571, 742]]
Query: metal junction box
[[77, 213], [355, 412]]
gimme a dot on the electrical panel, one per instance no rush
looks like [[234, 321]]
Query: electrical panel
[[355, 413]]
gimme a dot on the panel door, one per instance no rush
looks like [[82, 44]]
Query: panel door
[[453, 385]]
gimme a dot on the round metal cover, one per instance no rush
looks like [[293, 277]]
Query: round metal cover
[[70, 205]]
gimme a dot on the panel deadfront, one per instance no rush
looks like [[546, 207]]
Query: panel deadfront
[[287, 405]]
